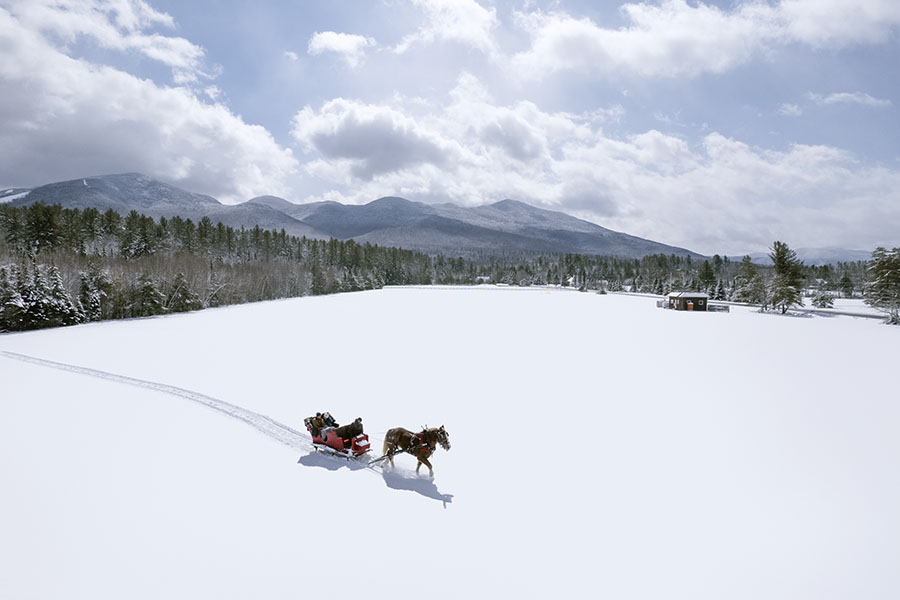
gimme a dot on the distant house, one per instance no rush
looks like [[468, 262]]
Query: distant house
[[688, 300]]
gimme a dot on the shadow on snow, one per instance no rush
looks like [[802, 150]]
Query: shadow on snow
[[327, 461], [421, 485], [394, 479]]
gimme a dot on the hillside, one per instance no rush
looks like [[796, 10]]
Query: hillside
[[154, 198], [500, 229]]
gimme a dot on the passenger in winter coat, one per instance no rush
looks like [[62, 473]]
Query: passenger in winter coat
[[321, 424], [350, 431]]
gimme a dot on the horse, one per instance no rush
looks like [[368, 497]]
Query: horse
[[421, 445]]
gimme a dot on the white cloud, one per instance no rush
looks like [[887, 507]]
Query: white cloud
[[849, 98], [720, 196], [462, 21], [370, 140], [351, 47], [63, 118], [122, 25], [837, 23], [790, 110], [675, 38], [291, 56]]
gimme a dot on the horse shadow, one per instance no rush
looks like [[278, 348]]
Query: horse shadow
[[393, 478], [420, 485]]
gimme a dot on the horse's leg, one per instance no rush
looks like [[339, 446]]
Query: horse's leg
[[386, 451], [424, 461]]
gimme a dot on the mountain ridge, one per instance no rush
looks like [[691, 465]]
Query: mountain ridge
[[507, 226]]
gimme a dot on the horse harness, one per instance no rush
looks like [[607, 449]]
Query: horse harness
[[421, 441]]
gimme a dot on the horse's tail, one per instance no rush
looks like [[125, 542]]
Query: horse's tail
[[389, 442]]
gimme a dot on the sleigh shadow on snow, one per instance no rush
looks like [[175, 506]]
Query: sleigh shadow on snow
[[326, 461]]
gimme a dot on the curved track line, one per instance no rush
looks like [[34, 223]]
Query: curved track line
[[265, 425]]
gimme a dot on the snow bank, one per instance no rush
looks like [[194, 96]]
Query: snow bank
[[755, 460]]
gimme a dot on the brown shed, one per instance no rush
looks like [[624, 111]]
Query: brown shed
[[688, 300]]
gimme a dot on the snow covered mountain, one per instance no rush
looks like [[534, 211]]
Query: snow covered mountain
[[501, 228], [818, 256], [133, 191]]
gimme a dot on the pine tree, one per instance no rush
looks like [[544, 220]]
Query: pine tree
[[748, 285], [846, 285], [35, 295], [10, 300], [707, 276], [60, 309], [15, 310], [883, 289], [658, 288], [720, 291], [822, 299], [181, 298], [148, 300], [214, 289], [786, 289], [319, 281], [94, 289]]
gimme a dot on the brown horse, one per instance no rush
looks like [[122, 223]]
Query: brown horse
[[421, 445]]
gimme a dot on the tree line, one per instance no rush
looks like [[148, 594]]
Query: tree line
[[62, 266]]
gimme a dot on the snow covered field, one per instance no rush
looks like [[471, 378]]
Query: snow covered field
[[601, 447]]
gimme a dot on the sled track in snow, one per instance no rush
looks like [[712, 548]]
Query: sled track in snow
[[265, 425]]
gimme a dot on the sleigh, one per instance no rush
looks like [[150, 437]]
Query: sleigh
[[333, 443]]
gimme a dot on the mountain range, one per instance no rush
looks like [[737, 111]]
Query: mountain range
[[818, 256], [505, 227]]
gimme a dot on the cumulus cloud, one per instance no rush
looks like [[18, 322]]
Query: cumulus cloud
[[372, 140], [462, 21], [63, 117], [836, 23], [719, 195], [849, 98], [675, 38], [350, 47], [123, 25], [291, 56]]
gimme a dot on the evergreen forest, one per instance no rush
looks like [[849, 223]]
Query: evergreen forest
[[61, 266]]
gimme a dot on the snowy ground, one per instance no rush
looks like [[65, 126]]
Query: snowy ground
[[856, 305], [601, 446]]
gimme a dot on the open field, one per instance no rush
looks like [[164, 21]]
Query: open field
[[600, 446]]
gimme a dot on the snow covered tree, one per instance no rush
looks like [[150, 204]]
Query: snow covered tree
[[823, 299], [148, 300], [10, 300], [786, 289], [883, 289], [59, 308], [94, 289], [748, 285], [846, 285], [34, 294], [181, 297], [15, 309], [719, 293]]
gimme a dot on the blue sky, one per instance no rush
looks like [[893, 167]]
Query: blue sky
[[717, 126]]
